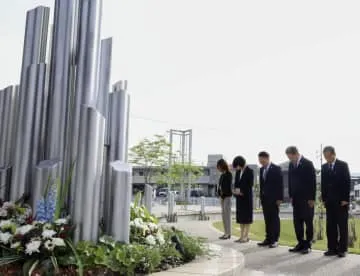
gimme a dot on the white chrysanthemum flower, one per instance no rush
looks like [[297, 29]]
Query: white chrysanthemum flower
[[47, 226], [33, 247], [49, 245], [152, 226], [138, 222], [160, 238], [48, 234], [61, 221], [5, 237], [8, 205], [6, 222], [15, 245], [150, 240], [58, 242], [23, 230], [3, 212]]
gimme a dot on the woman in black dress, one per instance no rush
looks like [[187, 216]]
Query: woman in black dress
[[244, 181]]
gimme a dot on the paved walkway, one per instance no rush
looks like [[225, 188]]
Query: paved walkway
[[278, 262]]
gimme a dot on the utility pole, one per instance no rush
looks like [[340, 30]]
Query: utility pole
[[185, 156]]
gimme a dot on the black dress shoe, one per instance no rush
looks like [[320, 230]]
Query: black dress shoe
[[330, 253], [341, 254], [273, 245], [296, 249], [305, 251], [264, 243], [225, 237]]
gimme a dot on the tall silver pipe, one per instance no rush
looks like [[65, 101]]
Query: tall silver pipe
[[2, 131], [46, 171], [5, 180], [121, 180], [34, 51], [104, 76], [26, 146], [87, 61], [59, 83], [127, 130], [8, 127], [86, 85], [88, 173], [118, 122]]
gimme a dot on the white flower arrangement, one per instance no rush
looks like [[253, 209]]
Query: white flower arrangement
[[150, 240], [5, 238], [33, 247], [23, 230], [48, 234]]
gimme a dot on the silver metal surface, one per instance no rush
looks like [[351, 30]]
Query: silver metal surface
[[88, 174], [8, 104], [118, 124], [88, 44], [60, 78], [47, 171], [5, 180], [104, 76], [121, 180], [34, 52], [27, 144], [148, 196]]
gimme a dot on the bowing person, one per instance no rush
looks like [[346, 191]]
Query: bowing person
[[244, 181], [225, 194], [271, 196], [302, 191], [335, 193]]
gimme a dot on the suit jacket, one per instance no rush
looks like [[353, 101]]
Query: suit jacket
[[271, 188], [335, 183], [225, 182], [302, 180], [246, 182]]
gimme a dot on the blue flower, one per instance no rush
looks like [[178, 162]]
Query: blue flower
[[45, 207]]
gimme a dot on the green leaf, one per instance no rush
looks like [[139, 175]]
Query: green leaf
[[10, 259], [78, 260], [29, 267], [54, 263]]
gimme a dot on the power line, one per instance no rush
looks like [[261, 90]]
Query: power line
[[136, 117]]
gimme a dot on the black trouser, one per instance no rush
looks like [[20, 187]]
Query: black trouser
[[337, 226], [303, 215], [272, 220]]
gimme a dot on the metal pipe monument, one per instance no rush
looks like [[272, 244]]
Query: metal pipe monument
[[59, 117]]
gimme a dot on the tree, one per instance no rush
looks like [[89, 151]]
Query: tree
[[152, 155], [179, 173]]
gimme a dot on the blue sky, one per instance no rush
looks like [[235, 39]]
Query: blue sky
[[244, 75]]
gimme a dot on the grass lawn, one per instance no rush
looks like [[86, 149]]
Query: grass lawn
[[287, 235]]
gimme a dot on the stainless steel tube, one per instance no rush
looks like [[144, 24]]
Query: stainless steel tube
[[27, 145], [88, 174], [121, 180]]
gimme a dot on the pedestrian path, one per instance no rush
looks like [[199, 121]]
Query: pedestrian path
[[278, 261]]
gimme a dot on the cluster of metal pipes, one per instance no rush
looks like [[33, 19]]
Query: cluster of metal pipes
[[63, 115]]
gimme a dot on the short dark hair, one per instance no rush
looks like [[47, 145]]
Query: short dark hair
[[264, 154], [222, 165], [238, 161], [329, 149], [292, 150]]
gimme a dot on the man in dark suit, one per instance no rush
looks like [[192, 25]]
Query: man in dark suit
[[335, 193], [302, 191], [271, 196]]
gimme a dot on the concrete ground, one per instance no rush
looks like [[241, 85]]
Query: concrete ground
[[277, 262]]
